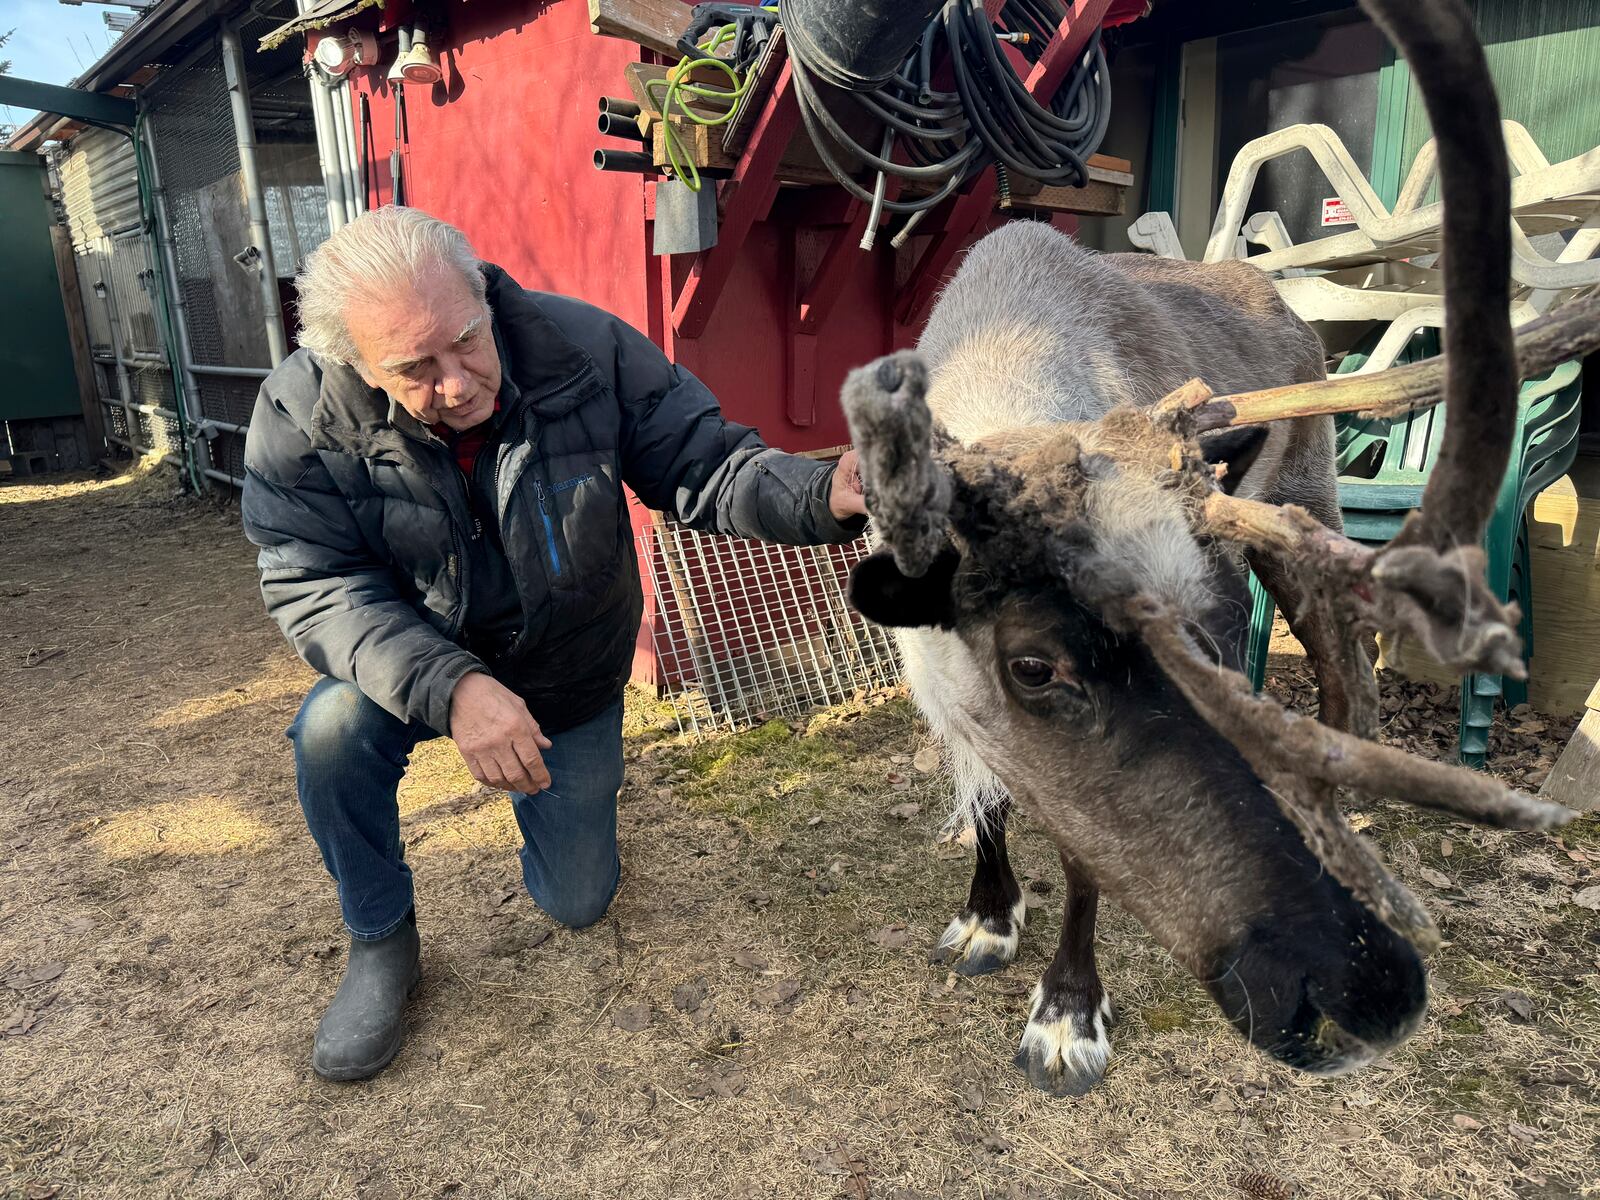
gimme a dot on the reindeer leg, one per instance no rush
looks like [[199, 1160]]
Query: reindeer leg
[[1347, 690], [1064, 1049], [983, 937]]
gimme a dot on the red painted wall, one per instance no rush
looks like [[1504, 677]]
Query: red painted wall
[[503, 147]]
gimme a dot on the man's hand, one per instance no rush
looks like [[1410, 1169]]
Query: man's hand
[[846, 500], [497, 736]]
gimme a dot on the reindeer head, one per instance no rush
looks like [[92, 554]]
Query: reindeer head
[[1084, 591]]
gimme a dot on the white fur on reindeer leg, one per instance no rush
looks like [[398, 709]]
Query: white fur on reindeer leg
[[1065, 1053], [974, 945]]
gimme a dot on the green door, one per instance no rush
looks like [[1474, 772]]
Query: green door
[[35, 352], [1544, 56]]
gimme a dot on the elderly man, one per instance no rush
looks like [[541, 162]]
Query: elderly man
[[435, 480]]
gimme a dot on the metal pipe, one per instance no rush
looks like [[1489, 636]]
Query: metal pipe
[[618, 126], [327, 152], [154, 410], [192, 407], [224, 477], [107, 295], [230, 372], [624, 160], [345, 147], [355, 188], [166, 456], [225, 427], [245, 134]]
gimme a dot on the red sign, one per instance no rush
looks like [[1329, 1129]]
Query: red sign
[[1336, 212]]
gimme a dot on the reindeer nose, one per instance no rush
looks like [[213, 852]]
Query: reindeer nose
[[1325, 994]]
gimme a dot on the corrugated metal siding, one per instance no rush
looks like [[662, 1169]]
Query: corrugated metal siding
[[99, 186], [1545, 57]]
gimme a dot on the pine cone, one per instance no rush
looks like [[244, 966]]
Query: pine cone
[[1262, 1185]]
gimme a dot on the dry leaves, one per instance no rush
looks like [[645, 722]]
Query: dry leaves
[[898, 781], [18, 1022], [1518, 1003], [927, 760], [687, 997], [970, 1098], [893, 937], [1462, 1121], [778, 993], [1588, 898], [750, 961], [632, 1018], [904, 812], [1436, 879], [22, 978]]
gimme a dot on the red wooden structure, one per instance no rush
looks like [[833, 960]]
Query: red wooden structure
[[771, 318]]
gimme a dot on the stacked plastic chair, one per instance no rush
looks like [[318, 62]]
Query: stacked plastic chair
[[1373, 288]]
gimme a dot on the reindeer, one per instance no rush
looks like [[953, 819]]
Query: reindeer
[[1065, 511]]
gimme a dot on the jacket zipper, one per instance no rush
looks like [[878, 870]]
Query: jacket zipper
[[549, 528]]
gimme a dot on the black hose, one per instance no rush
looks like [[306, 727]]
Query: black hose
[[929, 136]]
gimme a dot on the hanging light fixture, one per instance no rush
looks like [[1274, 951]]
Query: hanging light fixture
[[397, 75], [417, 63], [338, 56]]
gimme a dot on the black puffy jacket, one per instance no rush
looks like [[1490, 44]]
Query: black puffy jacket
[[365, 526]]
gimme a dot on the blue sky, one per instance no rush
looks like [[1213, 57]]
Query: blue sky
[[54, 42]]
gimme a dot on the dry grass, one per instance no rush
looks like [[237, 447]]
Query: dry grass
[[153, 850]]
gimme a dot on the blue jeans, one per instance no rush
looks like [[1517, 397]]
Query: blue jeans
[[349, 755]]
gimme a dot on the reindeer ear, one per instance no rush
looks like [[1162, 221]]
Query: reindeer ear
[[882, 594], [1238, 448]]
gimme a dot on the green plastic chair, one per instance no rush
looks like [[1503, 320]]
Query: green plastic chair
[[1383, 466]]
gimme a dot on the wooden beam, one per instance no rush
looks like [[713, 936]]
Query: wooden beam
[[1104, 196], [94, 417], [1095, 200], [654, 24], [1575, 779], [737, 131], [747, 197], [1066, 48]]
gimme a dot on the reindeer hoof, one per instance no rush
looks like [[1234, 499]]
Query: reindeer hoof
[[974, 945], [1065, 1052]]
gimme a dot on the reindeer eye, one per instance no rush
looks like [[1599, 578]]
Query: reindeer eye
[[1032, 673]]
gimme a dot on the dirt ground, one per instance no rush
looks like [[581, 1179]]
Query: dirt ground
[[756, 1017]]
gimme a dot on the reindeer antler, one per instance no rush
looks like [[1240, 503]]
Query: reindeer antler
[[908, 491], [1304, 762], [1542, 344]]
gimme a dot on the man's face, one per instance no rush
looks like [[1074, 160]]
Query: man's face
[[431, 349]]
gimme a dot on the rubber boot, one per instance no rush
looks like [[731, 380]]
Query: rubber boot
[[363, 1027]]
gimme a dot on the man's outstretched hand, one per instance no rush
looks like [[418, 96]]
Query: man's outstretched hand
[[846, 500], [497, 736]]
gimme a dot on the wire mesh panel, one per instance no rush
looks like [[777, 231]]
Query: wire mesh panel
[[746, 631], [132, 274], [197, 155]]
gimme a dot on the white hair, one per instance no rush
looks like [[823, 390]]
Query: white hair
[[382, 251]]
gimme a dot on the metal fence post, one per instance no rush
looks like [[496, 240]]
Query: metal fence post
[[260, 236], [199, 445]]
